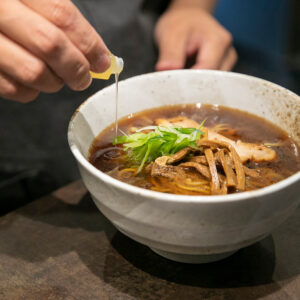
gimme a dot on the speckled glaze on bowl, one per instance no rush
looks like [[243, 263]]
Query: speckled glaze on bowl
[[192, 229]]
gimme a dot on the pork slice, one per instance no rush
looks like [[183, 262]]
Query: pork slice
[[254, 152], [246, 151], [179, 121]]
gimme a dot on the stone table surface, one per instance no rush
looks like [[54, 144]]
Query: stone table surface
[[62, 247]]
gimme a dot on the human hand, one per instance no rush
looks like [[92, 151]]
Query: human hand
[[183, 32], [45, 44]]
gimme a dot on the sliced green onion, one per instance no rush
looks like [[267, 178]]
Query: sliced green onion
[[143, 148]]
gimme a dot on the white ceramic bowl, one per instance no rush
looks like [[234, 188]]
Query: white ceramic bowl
[[188, 228]]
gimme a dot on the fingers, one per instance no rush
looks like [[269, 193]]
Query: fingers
[[212, 51], [12, 90], [46, 41], [67, 17], [229, 60], [193, 44], [172, 51], [188, 32], [218, 62], [26, 69], [171, 54]]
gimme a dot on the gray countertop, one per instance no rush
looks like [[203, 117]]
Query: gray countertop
[[62, 247]]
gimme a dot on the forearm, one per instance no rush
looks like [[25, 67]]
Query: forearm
[[208, 5]]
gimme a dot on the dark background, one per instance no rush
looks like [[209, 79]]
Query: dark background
[[34, 154]]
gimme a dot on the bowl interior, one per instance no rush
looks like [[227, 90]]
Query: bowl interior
[[246, 93]]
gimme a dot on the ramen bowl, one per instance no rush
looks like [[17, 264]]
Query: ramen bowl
[[192, 229]]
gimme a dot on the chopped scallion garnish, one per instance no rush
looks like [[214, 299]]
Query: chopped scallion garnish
[[144, 148]]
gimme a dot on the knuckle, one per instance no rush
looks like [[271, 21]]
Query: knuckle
[[89, 46], [63, 13], [32, 73], [81, 77], [82, 69], [49, 42], [227, 37]]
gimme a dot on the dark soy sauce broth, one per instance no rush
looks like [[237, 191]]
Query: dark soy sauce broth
[[247, 127]]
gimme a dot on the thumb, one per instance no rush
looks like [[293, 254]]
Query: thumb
[[172, 52]]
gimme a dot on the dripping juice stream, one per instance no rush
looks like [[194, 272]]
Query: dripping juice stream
[[116, 103]]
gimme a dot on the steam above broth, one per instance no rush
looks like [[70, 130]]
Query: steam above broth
[[192, 150]]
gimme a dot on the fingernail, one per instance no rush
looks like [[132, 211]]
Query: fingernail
[[85, 83], [102, 64]]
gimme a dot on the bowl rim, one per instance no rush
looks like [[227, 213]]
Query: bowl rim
[[154, 195]]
